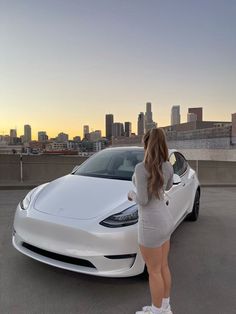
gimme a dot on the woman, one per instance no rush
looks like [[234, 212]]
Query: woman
[[152, 177]]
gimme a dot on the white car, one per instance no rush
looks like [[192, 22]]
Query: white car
[[84, 222]]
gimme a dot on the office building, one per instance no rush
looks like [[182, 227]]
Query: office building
[[191, 117], [141, 124], [13, 137], [128, 127], [27, 133], [109, 122], [117, 129], [85, 131], [42, 136], [149, 123], [197, 111], [95, 135], [175, 115]]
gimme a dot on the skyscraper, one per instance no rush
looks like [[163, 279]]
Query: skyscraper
[[27, 133], [85, 130], [109, 122], [128, 129], [13, 136], [197, 111], [141, 123], [175, 115], [117, 129], [149, 123]]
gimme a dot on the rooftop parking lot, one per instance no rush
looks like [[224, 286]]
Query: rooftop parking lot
[[202, 260]]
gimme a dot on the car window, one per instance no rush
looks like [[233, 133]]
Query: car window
[[173, 161], [111, 164], [182, 164]]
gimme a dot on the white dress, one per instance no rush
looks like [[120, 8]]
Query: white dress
[[155, 222]]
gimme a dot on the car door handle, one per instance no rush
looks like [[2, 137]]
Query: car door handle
[[167, 203]]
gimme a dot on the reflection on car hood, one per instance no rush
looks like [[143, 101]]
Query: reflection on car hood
[[82, 197]]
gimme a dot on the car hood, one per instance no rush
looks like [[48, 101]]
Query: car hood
[[81, 197]]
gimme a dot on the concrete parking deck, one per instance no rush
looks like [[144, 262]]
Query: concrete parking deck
[[202, 261]]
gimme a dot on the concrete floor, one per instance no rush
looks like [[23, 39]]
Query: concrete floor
[[202, 261]]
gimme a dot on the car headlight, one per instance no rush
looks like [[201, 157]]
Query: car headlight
[[127, 217], [24, 204]]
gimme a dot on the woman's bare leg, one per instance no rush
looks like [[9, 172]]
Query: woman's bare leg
[[153, 260], [165, 271]]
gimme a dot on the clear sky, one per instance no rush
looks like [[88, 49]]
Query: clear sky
[[67, 63]]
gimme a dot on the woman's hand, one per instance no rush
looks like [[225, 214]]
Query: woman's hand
[[130, 195]]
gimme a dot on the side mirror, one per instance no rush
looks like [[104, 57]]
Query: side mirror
[[176, 179], [74, 169]]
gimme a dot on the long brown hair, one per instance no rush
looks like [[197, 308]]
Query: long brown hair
[[156, 152]]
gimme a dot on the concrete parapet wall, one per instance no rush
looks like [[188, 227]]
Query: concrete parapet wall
[[215, 172], [204, 143], [209, 154], [36, 168], [39, 169]]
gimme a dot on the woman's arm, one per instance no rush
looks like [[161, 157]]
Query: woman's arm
[[170, 180], [141, 196]]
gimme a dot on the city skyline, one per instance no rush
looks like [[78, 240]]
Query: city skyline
[[84, 59], [103, 130]]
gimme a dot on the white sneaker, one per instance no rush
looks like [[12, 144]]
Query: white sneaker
[[164, 311], [146, 311]]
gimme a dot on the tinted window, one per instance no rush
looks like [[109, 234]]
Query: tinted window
[[174, 163], [182, 164], [111, 164]]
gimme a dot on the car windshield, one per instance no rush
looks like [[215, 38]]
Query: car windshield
[[111, 164]]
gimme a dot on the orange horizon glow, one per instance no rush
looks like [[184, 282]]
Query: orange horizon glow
[[72, 131]]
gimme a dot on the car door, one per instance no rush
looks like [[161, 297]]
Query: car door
[[186, 180], [178, 197]]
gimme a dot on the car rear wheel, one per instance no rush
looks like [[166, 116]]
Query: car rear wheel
[[193, 216]]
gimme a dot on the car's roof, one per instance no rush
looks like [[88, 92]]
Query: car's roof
[[129, 148]]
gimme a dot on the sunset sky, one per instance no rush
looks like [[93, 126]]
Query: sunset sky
[[64, 64]]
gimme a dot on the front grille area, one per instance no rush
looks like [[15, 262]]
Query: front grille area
[[58, 257]]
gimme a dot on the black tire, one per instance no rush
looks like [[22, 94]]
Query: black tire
[[193, 216]]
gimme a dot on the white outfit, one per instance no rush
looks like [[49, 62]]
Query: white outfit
[[155, 222]]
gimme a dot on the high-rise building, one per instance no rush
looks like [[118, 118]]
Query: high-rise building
[[117, 129], [175, 115], [13, 136], [85, 130], [141, 123], [42, 136], [191, 117], [149, 123], [128, 129], [27, 133], [13, 133], [148, 113], [197, 111], [109, 122]]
